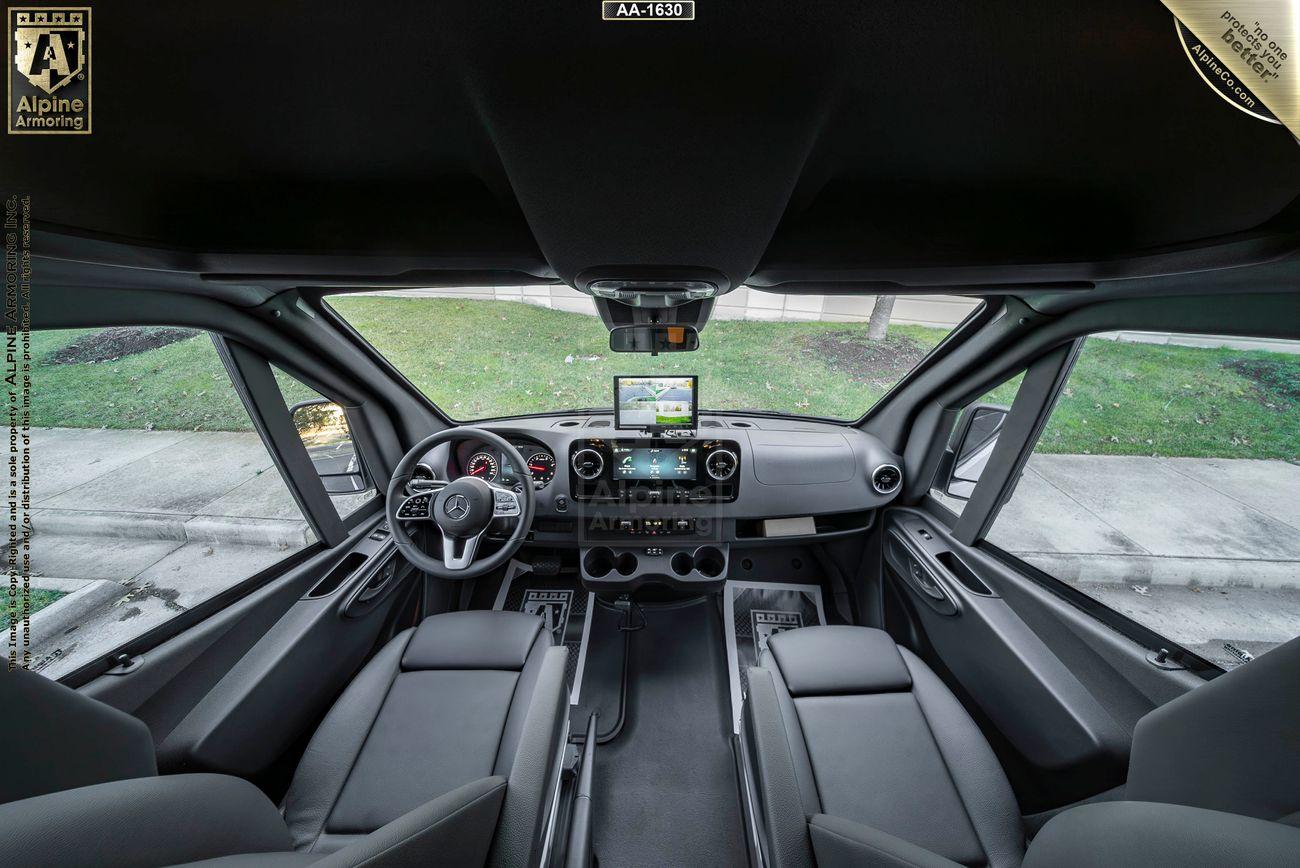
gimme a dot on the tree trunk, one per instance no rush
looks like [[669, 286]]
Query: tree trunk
[[878, 325]]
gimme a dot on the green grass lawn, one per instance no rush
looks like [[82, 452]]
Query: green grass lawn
[[1139, 399], [479, 358], [179, 387], [493, 358], [39, 600]]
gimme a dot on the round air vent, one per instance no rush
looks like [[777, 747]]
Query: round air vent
[[422, 478], [886, 478], [721, 464], [588, 463]]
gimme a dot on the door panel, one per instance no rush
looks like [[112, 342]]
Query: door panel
[[1062, 691], [235, 692], [1032, 697]]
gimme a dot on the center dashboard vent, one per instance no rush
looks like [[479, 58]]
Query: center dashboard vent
[[598, 423], [710, 423]]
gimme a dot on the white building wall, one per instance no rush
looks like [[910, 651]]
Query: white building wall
[[940, 311]]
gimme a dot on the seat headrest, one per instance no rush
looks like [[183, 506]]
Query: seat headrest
[[838, 660], [472, 640]]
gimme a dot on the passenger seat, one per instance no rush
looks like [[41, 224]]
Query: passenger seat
[[862, 757]]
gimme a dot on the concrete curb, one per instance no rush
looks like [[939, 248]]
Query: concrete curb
[[120, 525], [67, 586], [234, 530], [74, 609], [211, 529]]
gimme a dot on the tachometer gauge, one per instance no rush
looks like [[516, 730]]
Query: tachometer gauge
[[542, 467], [482, 465]]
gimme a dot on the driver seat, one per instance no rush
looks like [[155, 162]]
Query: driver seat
[[444, 749]]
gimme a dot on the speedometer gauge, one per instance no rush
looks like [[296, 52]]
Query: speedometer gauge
[[482, 465], [542, 467]]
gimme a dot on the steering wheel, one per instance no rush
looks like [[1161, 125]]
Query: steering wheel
[[461, 510]]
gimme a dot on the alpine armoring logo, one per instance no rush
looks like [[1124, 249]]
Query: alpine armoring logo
[[49, 73]]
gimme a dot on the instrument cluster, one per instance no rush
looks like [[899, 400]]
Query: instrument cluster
[[475, 458]]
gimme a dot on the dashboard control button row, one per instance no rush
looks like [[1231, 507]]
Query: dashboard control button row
[[653, 526]]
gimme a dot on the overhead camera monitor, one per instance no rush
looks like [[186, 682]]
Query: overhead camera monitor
[[655, 403]]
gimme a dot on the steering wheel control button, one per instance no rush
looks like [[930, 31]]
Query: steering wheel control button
[[416, 506], [505, 503]]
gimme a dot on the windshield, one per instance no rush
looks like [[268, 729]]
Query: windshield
[[487, 352]]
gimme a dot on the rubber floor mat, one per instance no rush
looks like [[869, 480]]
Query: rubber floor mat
[[563, 606], [753, 612]]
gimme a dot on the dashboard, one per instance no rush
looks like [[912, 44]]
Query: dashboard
[[735, 468], [645, 506]]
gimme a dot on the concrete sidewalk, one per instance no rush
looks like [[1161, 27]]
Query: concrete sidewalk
[[1179, 521], [138, 526]]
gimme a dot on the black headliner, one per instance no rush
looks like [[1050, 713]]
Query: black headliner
[[908, 141]]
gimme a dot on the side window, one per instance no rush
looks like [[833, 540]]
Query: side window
[[323, 426], [1164, 485], [151, 491]]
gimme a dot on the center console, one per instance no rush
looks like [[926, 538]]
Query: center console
[[639, 523], [642, 491]]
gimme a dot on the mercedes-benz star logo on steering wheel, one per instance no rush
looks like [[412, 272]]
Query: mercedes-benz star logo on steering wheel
[[457, 506]]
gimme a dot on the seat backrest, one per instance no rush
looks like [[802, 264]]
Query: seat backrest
[[66, 740], [877, 739], [465, 696], [1231, 745]]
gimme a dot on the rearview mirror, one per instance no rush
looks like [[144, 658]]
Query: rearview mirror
[[323, 427], [654, 339], [970, 448]]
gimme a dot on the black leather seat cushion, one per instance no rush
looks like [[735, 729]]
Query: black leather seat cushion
[[876, 738], [438, 707]]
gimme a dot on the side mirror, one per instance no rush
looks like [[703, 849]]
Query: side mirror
[[323, 427], [969, 448], [654, 339]]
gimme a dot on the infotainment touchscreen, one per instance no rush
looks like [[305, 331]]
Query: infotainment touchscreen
[[655, 402], [643, 462]]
